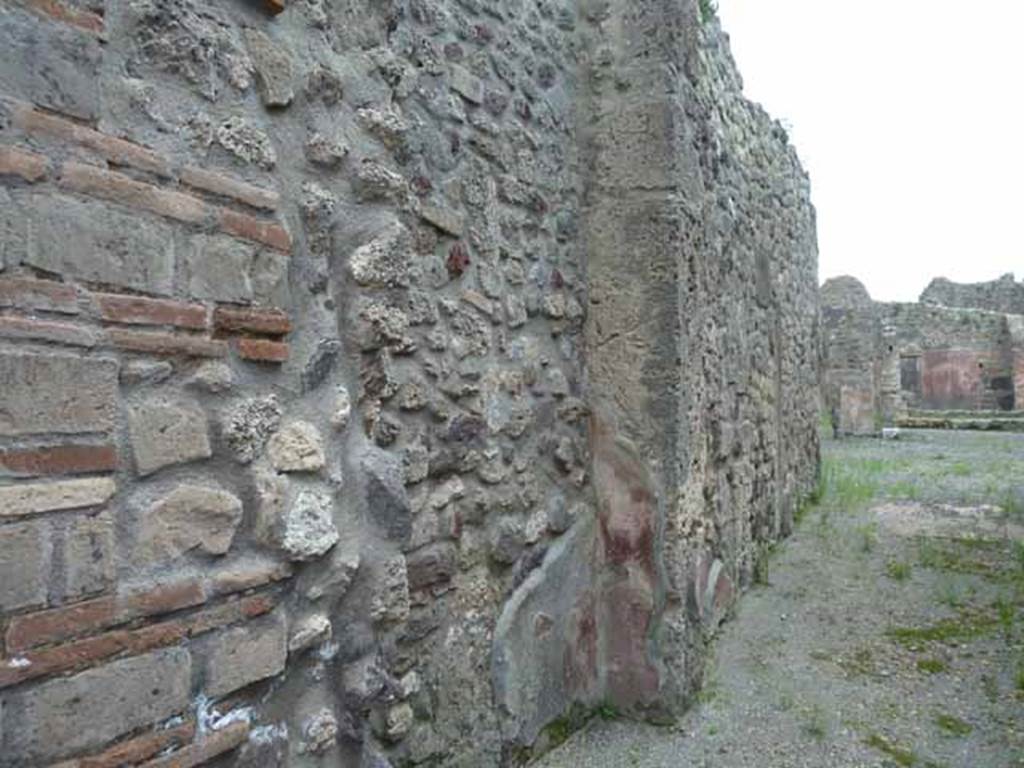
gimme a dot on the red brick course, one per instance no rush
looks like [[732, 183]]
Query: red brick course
[[142, 311], [166, 343], [272, 322], [225, 186], [89, 651], [58, 11], [214, 745], [110, 185], [45, 295], [31, 329], [262, 350], [136, 750], [19, 162], [250, 228], [59, 460], [117, 151]]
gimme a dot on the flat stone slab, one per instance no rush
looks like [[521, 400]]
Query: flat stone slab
[[945, 521]]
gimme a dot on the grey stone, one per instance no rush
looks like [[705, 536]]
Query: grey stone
[[89, 556], [507, 541], [189, 518], [25, 556], [430, 565], [94, 241], [235, 658], [58, 718], [384, 260], [390, 601], [466, 84], [195, 43], [320, 364], [213, 376], [313, 630], [296, 447], [386, 500], [145, 372], [51, 64], [541, 642], [341, 409], [51, 393], [167, 434], [326, 151], [443, 218], [308, 530], [319, 732], [246, 142], [220, 268], [248, 425], [273, 68]]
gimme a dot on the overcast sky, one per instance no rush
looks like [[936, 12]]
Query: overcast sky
[[909, 116]]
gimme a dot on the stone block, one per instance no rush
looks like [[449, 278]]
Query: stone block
[[297, 447], [191, 517], [24, 499], [308, 529], [273, 69], [93, 241], [67, 395], [219, 268], [24, 565], [244, 655], [69, 715], [53, 65], [167, 434], [89, 556]]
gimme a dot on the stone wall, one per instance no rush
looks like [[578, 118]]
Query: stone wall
[[1004, 295], [383, 382], [884, 359]]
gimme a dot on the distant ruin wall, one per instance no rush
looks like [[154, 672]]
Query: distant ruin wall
[[383, 381], [885, 359], [1004, 295]]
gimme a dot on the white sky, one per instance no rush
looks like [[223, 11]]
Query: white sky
[[909, 116]]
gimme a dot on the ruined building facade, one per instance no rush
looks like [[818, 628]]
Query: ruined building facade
[[382, 381], [961, 348]]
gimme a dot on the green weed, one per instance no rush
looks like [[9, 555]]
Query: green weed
[[954, 725], [898, 570], [900, 755], [932, 666]]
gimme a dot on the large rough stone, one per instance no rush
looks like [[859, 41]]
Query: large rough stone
[[546, 644], [93, 241], [297, 447], [308, 529], [24, 565], [239, 657], [167, 434], [273, 69], [191, 517], [384, 261], [386, 500], [89, 556], [59, 718], [390, 601], [52, 64], [51, 393]]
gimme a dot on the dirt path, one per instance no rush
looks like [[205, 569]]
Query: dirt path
[[891, 632]]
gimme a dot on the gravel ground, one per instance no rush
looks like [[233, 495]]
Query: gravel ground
[[891, 632]]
